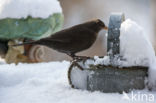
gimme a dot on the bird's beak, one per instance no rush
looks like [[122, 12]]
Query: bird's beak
[[105, 28]]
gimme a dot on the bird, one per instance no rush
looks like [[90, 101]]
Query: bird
[[72, 40]]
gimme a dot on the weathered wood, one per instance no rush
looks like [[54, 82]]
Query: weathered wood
[[113, 79]]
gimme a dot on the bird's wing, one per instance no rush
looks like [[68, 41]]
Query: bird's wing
[[68, 35], [63, 40], [62, 37]]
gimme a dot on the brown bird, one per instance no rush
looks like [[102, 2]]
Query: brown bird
[[72, 40]]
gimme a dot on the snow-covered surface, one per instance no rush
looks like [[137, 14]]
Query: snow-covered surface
[[24, 8], [48, 83]]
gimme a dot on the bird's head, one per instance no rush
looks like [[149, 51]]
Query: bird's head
[[101, 24], [96, 25]]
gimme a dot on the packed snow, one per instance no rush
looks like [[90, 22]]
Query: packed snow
[[48, 83], [25, 8]]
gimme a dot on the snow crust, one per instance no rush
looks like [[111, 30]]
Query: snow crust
[[25, 8]]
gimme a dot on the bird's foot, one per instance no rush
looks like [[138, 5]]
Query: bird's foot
[[75, 63]]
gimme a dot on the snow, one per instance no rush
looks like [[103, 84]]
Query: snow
[[79, 78], [135, 47], [48, 83], [25, 8], [105, 60]]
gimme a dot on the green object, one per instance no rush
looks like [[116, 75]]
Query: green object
[[30, 28]]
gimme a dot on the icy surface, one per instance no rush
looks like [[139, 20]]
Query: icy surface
[[47, 83], [24, 8]]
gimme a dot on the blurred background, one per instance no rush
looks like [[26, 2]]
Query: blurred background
[[79, 11]]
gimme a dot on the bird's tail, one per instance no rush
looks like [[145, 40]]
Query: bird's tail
[[24, 43]]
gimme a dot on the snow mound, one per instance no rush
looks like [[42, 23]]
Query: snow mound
[[25, 8], [135, 46]]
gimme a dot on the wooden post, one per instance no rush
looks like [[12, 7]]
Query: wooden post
[[113, 40]]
